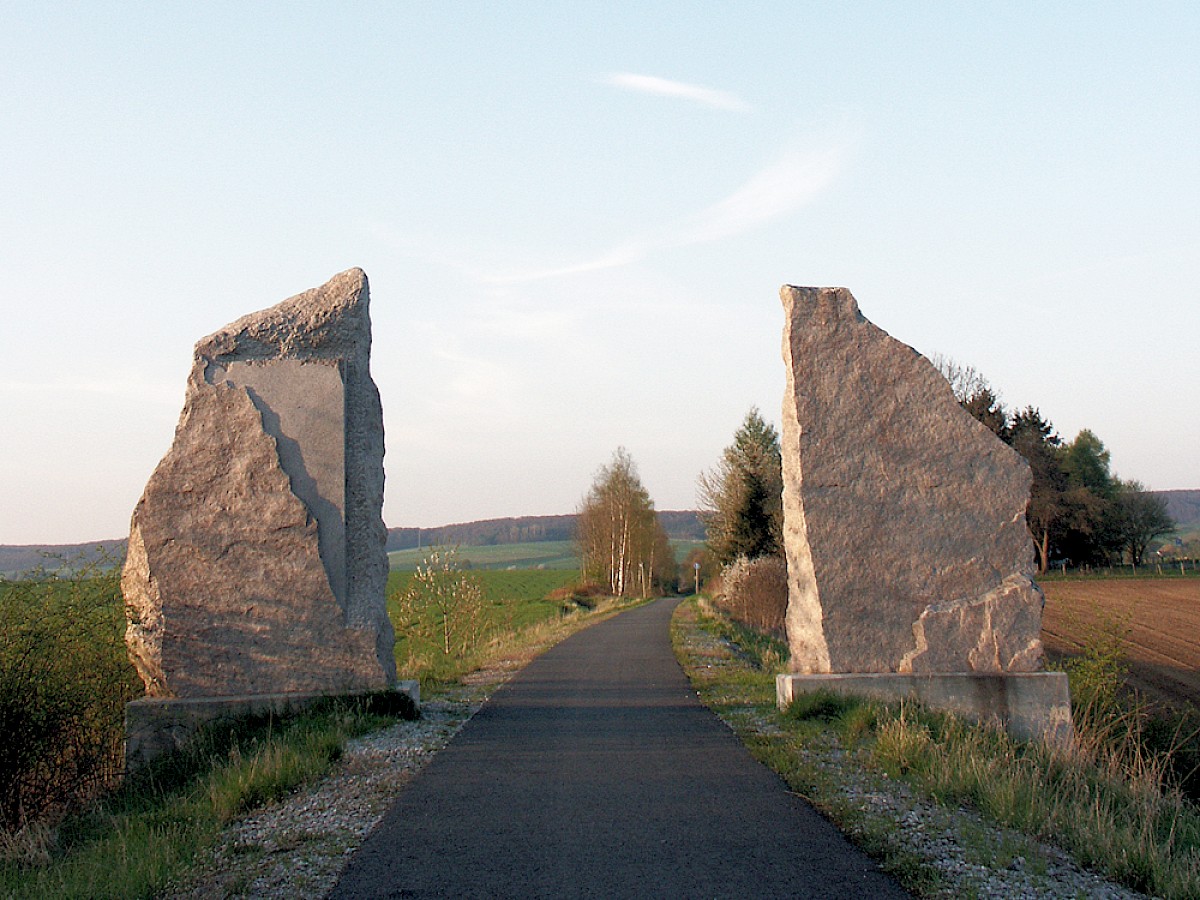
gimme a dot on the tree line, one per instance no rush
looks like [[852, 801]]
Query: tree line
[[1080, 512], [681, 524]]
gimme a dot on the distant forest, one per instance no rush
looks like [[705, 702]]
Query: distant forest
[[680, 524], [1183, 507]]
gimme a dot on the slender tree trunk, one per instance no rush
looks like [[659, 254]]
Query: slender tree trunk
[[621, 558], [613, 576], [651, 567]]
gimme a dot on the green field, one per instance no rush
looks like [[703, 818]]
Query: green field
[[514, 586], [558, 555], [682, 548], [539, 555]]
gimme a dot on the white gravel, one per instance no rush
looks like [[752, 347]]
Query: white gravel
[[298, 847]]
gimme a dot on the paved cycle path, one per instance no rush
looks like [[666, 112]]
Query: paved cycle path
[[596, 772]]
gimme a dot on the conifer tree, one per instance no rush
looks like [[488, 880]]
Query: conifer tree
[[741, 499]]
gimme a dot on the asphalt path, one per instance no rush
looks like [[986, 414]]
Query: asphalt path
[[596, 772]]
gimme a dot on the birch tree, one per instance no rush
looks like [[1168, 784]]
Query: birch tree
[[622, 545]]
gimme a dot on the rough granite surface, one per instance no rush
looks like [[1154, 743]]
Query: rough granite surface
[[904, 518], [256, 559]]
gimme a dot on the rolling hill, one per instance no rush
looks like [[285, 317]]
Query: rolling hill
[[1182, 506], [681, 525]]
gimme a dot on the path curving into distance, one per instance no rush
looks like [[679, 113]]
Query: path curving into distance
[[596, 772]]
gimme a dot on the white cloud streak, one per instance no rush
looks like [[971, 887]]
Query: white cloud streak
[[663, 87], [773, 192]]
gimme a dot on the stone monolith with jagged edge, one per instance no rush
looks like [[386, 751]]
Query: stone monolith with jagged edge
[[904, 518], [256, 561]]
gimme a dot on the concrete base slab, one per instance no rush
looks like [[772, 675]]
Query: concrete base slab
[[1029, 706], [156, 725]]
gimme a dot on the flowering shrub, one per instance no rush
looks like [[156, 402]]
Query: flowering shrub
[[444, 604]]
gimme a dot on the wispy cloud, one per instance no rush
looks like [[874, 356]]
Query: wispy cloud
[[664, 87], [780, 188], [773, 192]]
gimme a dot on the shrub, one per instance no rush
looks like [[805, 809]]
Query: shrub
[[64, 681], [578, 596], [754, 592], [444, 601]]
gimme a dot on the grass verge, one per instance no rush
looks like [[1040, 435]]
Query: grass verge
[[131, 843], [852, 759]]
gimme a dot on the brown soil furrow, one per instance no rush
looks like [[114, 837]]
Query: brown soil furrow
[[1161, 618], [1138, 650]]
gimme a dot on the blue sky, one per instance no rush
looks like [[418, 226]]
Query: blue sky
[[576, 218]]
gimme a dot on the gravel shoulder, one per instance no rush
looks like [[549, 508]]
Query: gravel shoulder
[[298, 847]]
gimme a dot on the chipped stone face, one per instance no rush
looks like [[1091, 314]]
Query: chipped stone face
[[256, 559], [904, 518]]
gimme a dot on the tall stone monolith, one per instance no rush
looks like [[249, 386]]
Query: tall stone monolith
[[909, 561], [904, 516], [256, 560]]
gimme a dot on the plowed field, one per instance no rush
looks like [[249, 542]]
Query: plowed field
[[1162, 618]]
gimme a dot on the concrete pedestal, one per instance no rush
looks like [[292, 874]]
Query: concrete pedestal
[[154, 726], [1029, 706]]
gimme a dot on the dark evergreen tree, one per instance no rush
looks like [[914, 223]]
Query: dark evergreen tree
[[985, 406], [1034, 438], [741, 500]]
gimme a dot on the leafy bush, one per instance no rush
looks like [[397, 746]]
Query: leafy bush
[[64, 681]]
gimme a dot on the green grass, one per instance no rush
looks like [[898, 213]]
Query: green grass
[[504, 586], [513, 601], [1152, 567], [534, 555]]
